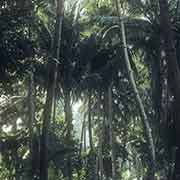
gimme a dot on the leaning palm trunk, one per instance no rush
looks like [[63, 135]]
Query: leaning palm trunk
[[111, 133], [51, 85], [148, 131]]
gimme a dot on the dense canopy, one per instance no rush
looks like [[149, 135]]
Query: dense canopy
[[89, 90]]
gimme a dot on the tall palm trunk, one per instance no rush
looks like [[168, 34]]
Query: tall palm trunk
[[80, 148], [173, 76], [156, 81], [100, 146], [84, 139], [51, 84], [82, 136], [31, 95], [16, 164], [54, 104], [148, 131], [68, 120], [111, 133], [92, 158], [90, 122], [44, 136]]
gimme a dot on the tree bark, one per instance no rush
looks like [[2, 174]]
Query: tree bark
[[100, 146], [81, 148], [44, 136], [54, 104], [84, 140], [148, 131], [51, 84], [82, 136], [173, 76], [173, 68], [68, 120], [111, 133], [156, 80], [92, 157], [31, 95], [90, 122]]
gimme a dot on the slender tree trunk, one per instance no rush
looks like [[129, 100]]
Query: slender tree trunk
[[82, 136], [51, 84], [15, 157], [92, 157], [17, 165], [156, 80], [44, 136], [90, 122], [148, 131], [107, 167], [85, 144], [173, 76], [111, 133], [31, 121], [68, 119], [173, 68], [100, 146], [54, 104], [80, 148], [96, 168]]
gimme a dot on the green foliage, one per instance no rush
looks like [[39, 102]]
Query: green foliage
[[91, 58]]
